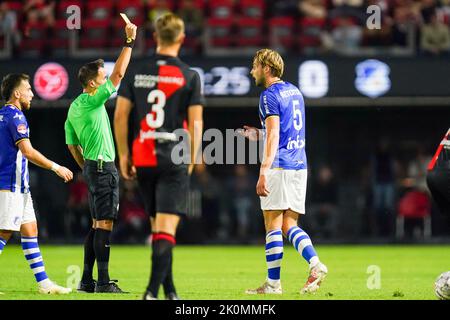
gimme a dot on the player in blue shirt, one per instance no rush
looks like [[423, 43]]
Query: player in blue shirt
[[16, 205], [283, 174]]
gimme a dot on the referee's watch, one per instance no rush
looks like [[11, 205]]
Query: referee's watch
[[129, 42]]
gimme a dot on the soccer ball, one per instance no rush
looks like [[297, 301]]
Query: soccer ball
[[442, 286]]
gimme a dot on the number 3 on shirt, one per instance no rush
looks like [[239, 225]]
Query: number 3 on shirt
[[298, 123], [155, 119]]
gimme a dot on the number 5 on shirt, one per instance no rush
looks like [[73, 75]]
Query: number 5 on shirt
[[298, 123]]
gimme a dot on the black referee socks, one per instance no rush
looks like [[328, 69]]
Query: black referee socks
[[89, 257], [163, 244], [101, 247], [168, 284]]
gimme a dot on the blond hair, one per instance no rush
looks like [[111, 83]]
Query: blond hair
[[272, 59], [168, 28]]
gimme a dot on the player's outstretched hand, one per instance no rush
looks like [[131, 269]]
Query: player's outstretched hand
[[64, 174], [251, 133], [130, 30], [127, 170]]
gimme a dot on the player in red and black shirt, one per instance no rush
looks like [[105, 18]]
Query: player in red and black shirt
[[438, 177], [164, 97]]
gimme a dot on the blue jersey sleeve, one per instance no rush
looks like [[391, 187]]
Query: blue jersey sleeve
[[18, 127], [270, 104]]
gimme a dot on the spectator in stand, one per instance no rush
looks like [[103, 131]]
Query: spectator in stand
[[8, 23], [244, 206], [417, 170], [133, 224], [384, 172], [427, 9], [346, 35], [323, 203], [380, 36], [157, 9], [444, 7], [210, 198], [192, 17], [313, 9], [78, 207], [407, 17], [349, 8], [435, 37], [38, 10], [284, 8]]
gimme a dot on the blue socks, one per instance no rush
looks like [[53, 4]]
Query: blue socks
[[33, 255], [2, 244], [274, 255], [302, 243]]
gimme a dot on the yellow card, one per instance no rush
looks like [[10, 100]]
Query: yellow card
[[125, 18]]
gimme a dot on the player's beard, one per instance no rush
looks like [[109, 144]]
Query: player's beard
[[260, 82], [25, 105]]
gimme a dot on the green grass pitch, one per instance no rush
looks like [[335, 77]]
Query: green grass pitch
[[224, 272]]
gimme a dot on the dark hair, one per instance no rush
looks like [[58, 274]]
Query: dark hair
[[89, 71], [10, 82]]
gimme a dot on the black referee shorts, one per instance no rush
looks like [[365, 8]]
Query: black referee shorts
[[103, 190], [438, 181], [164, 189]]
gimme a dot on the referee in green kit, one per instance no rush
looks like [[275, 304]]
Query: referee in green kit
[[90, 141]]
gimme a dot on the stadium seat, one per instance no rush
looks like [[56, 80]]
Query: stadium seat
[[36, 40], [133, 9], [252, 8], [118, 33], [60, 39], [15, 6], [250, 32], [198, 3], [99, 9], [170, 5], [337, 21], [61, 8], [95, 34], [310, 31], [414, 205], [221, 9], [191, 45], [281, 32], [220, 31]]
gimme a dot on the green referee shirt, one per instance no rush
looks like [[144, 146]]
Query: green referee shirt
[[88, 124]]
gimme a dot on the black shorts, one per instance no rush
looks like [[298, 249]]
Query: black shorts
[[164, 189], [103, 190]]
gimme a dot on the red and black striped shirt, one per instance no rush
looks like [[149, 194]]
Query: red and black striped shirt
[[161, 94]]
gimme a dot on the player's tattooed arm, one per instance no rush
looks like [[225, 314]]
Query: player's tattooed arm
[[40, 160], [77, 154]]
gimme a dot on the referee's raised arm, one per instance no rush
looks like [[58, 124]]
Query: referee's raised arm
[[124, 58]]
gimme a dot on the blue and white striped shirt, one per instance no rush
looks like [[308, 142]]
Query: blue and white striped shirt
[[14, 174]]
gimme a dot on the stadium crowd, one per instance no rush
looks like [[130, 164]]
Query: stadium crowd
[[306, 26], [223, 206]]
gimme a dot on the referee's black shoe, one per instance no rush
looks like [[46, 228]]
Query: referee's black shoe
[[88, 287], [110, 287]]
